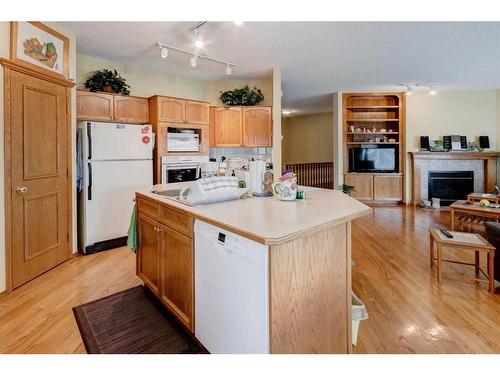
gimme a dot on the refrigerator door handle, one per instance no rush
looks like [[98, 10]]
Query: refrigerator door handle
[[89, 137], [89, 187]]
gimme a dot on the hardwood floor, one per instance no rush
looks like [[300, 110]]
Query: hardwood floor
[[408, 311], [38, 316]]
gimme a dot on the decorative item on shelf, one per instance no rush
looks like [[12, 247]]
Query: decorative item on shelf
[[107, 81], [390, 130], [471, 146], [374, 129], [243, 96], [36, 44], [391, 140], [382, 130], [357, 130], [352, 128], [436, 145]]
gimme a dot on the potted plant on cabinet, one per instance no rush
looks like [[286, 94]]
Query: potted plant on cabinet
[[243, 96], [107, 81]]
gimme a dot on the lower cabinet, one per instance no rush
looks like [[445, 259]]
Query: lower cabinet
[[376, 187], [165, 262], [177, 265]]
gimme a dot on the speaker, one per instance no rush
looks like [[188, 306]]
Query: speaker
[[424, 142], [447, 142], [484, 141], [463, 142]]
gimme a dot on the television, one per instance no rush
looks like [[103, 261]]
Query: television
[[373, 159]]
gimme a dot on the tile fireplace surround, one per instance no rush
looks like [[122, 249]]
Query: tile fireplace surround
[[483, 164]]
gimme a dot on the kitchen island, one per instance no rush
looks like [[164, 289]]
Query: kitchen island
[[307, 255]]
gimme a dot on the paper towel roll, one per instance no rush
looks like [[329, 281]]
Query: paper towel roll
[[258, 176]]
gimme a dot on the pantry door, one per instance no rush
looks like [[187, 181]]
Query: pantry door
[[37, 138]]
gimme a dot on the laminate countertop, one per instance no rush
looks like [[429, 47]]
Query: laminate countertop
[[269, 220]]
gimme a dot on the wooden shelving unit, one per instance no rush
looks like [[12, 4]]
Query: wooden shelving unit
[[374, 119]]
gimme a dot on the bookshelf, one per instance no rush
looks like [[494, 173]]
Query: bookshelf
[[375, 119]]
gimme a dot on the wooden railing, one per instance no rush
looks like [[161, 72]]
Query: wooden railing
[[313, 174]]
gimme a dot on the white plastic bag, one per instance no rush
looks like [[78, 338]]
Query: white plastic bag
[[212, 190]]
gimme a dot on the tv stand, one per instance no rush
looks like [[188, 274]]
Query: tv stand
[[375, 119]]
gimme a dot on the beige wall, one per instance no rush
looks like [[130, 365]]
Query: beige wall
[[144, 82], [4, 52], [215, 87], [307, 138], [471, 113]]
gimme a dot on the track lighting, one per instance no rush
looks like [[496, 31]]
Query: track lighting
[[229, 70], [193, 61], [432, 91], [164, 52], [198, 42], [238, 23]]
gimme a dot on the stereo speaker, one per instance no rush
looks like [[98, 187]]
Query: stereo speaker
[[484, 141], [424, 142]]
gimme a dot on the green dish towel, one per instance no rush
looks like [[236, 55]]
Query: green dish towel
[[132, 242]]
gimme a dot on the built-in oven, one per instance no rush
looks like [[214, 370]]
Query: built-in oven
[[183, 142], [181, 168]]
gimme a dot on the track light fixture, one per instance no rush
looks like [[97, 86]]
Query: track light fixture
[[193, 61], [238, 23], [198, 39], [195, 57], [164, 52]]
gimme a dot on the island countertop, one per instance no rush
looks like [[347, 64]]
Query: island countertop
[[269, 220]]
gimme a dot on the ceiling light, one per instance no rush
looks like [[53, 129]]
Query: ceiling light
[[193, 61], [432, 91], [409, 90], [164, 52], [229, 70], [238, 23], [286, 112], [198, 39]]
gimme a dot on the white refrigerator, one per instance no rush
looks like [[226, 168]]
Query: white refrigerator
[[116, 161]]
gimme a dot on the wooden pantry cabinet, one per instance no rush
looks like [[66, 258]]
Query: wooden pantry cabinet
[[165, 257], [177, 110], [241, 126], [99, 106]]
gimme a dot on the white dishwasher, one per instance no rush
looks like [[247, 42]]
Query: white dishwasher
[[231, 292]]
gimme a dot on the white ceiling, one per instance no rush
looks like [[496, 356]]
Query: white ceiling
[[316, 58]]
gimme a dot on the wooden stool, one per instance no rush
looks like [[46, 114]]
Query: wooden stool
[[465, 241]]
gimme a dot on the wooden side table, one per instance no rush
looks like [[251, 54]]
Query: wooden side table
[[476, 197], [466, 241], [468, 213]]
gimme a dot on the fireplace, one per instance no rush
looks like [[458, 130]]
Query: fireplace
[[450, 186]]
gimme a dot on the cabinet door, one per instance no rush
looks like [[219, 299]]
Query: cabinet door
[[148, 253], [228, 127], [388, 188], [257, 127], [197, 112], [211, 127], [131, 109], [363, 184], [177, 275], [94, 106], [171, 109]]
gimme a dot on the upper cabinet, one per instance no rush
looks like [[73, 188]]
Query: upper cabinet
[[109, 107], [228, 126], [131, 109], [94, 106], [241, 127], [257, 127], [175, 110]]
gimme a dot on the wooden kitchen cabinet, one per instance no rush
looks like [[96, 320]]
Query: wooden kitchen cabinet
[[167, 109], [94, 106], [211, 127], [228, 127], [165, 257], [257, 127], [197, 112], [387, 188], [148, 252], [177, 274], [131, 109], [111, 107]]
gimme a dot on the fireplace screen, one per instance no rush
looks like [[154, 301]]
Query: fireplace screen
[[450, 186]]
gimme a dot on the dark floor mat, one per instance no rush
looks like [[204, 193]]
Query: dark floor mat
[[131, 322]]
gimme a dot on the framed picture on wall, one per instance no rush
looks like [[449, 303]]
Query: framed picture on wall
[[40, 47]]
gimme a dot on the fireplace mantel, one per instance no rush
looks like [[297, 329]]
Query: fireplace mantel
[[458, 155], [489, 158]]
